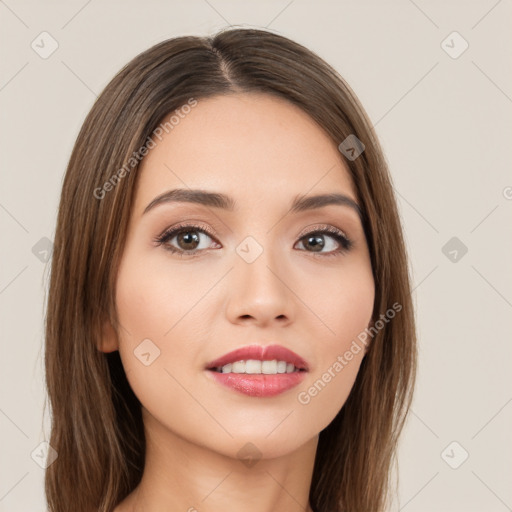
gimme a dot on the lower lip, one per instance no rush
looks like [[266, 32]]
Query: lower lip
[[258, 384]]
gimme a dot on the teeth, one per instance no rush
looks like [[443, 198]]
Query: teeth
[[227, 368], [237, 367], [269, 367], [254, 366]]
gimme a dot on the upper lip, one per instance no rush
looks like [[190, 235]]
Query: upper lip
[[260, 353]]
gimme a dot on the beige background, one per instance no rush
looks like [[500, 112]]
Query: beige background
[[446, 126]]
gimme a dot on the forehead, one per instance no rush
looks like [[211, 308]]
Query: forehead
[[246, 145]]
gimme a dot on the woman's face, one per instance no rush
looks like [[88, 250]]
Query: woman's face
[[257, 273]]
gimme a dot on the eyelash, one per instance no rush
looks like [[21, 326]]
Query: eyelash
[[345, 243]]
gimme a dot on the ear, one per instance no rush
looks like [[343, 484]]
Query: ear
[[109, 341]]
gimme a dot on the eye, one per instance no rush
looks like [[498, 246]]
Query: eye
[[317, 241], [188, 239]]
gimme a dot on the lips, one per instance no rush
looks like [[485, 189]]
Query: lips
[[258, 371], [260, 353]]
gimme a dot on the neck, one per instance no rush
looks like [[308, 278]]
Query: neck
[[180, 475]]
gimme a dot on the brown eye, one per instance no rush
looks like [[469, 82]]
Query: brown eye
[[316, 242], [331, 239], [185, 240], [188, 240]]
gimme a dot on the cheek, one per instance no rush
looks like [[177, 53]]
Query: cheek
[[154, 300], [341, 301], [346, 307], [350, 308], [160, 335], [145, 314]]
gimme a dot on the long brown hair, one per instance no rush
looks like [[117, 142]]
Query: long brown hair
[[96, 422]]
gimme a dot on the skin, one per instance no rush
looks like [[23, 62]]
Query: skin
[[262, 151]]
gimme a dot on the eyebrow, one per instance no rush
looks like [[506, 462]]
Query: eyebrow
[[218, 200]]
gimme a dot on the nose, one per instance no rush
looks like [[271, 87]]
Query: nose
[[260, 293]]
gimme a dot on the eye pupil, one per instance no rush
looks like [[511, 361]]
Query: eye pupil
[[316, 242], [186, 237]]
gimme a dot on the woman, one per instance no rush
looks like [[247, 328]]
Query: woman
[[229, 319]]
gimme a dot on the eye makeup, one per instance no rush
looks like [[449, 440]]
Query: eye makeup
[[315, 236]]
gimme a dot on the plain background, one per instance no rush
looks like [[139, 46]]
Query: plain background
[[445, 124]]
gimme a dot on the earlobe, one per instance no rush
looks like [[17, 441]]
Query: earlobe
[[109, 341]]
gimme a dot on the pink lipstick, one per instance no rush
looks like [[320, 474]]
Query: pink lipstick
[[259, 371]]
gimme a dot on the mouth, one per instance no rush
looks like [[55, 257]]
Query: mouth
[[259, 371], [257, 359], [257, 367]]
